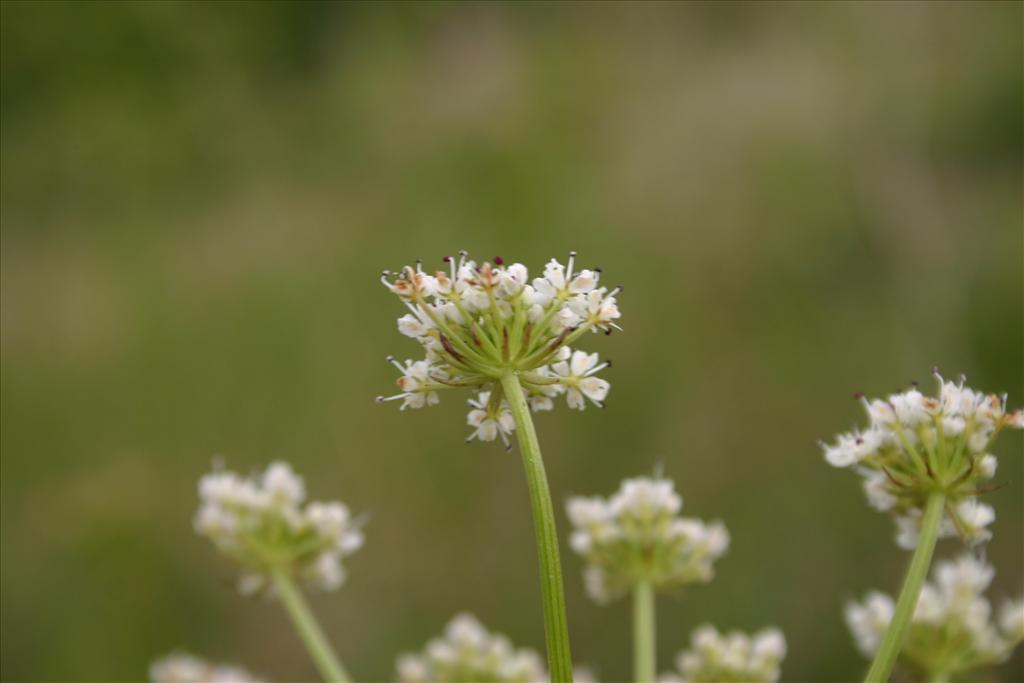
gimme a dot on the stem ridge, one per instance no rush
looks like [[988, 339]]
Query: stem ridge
[[308, 629], [887, 653], [556, 628]]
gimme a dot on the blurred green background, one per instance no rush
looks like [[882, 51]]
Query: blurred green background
[[802, 201]]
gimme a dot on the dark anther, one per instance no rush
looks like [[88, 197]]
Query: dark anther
[[498, 260], [446, 259], [858, 395]]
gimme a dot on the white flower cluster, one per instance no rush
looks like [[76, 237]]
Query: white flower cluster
[[184, 668], [952, 629], [915, 445], [476, 323], [261, 523], [468, 652], [732, 658], [638, 535]]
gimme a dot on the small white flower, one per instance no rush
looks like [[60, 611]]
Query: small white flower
[[869, 621], [1011, 620]]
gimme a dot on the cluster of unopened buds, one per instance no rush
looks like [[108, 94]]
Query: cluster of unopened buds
[[637, 535], [469, 652], [478, 322], [718, 658], [261, 523], [952, 629], [185, 668], [915, 445]]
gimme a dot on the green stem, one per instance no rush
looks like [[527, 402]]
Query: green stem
[[309, 630], [916, 572], [556, 629], [643, 633]]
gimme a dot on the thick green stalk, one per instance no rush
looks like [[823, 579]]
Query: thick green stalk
[[556, 629], [643, 633], [916, 572], [309, 630]]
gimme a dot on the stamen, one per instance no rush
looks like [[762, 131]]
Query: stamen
[[597, 368], [401, 368], [615, 291], [384, 278], [385, 399], [568, 267]]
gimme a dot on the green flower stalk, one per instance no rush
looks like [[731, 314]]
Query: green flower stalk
[[488, 329]]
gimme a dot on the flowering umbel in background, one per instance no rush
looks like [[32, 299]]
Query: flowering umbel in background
[[185, 668], [732, 658], [475, 323], [952, 631], [916, 445], [260, 523], [638, 536], [469, 652], [637, 542]]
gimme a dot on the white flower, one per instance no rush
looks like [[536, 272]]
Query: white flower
[[733, 657], [490, 421], [468, 652], [869, 621], [1011, 619], [185, 668], [638, 535], [575, 372], [951, 628], [477, 323], [260, 522], [916, 444]]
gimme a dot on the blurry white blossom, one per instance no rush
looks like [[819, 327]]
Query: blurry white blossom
[[730, 658], [952, 630], [261, 522], [475, 323], [468, 652], [185, 668], [916, 444], [638, 535]]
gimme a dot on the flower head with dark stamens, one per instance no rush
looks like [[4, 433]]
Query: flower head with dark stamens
[[638, 535], [916, 445], [952, 630], [476, 323], [261, 523]]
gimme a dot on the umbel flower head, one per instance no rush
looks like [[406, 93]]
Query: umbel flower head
[[732, 658], [477, 323], [915, 445], [468, 652], [952, 629], [261, 522], [638, 535], [185, 668]]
